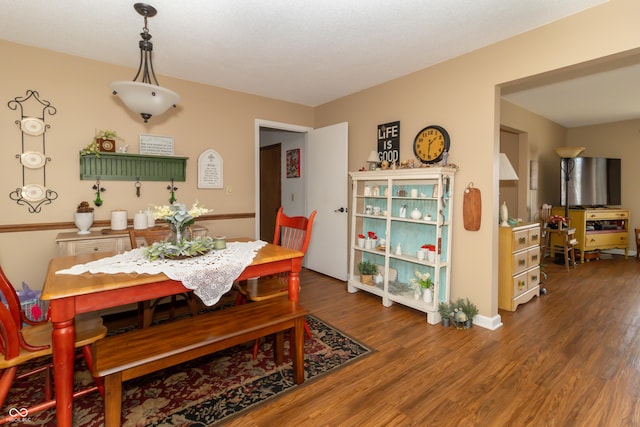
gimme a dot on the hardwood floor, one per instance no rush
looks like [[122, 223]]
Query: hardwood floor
[[568, 358]]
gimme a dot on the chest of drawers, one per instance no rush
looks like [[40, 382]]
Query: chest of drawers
[[518, 265]]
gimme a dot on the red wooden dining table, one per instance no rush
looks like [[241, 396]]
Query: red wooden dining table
[[70, 295]]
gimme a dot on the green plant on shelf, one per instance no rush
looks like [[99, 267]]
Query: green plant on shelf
[[367, 268]]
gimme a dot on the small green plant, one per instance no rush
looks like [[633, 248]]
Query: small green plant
[[469, 308], [367, 268], [445, 309]]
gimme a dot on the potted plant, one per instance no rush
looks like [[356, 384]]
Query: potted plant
[[367, 270], [83, 217], [470, 309], [463, 312], [103, 140], [445, 311]]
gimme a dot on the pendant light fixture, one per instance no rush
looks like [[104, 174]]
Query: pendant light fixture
[[145, 97]]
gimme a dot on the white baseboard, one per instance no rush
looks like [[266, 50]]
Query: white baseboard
[[491, 323]]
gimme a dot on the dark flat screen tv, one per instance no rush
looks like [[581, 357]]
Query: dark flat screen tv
[[594, 182]]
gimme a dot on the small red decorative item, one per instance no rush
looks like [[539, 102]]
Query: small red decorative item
[[372, 235], [360, 236], [429, 247]]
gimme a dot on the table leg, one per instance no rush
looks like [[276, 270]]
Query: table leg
[[294, 279], [63, 338]]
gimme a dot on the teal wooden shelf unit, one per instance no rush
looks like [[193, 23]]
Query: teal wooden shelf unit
[[132, 167]]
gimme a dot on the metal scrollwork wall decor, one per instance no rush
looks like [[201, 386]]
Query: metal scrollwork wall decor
[[33, 192]]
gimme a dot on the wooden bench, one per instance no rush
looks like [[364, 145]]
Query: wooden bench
[[133, 354]]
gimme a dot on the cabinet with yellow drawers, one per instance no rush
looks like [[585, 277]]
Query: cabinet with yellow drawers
[[518, 265], [596, 228]]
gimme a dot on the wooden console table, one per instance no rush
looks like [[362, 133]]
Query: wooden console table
[[596, 228], [107, 240]]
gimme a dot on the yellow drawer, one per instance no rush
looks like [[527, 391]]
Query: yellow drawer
[[520, 240], [533, 256], [607, 239], [596, 215], [533, 278], [520, 283], [520, 261]]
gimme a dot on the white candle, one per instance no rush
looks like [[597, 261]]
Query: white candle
[[140, 221], [151, 222], [118, 220]]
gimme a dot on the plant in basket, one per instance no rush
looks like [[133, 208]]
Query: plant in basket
[[367, 269]]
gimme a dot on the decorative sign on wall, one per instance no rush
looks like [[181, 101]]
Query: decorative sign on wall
[[293, 163], [210, 171], [156, 145], [389, 142]]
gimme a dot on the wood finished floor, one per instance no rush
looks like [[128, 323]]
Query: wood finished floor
[[568, 358]]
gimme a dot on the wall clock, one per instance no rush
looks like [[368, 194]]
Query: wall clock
[[108, 145], [431, 143]]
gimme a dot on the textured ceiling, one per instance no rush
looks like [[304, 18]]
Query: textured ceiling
[[301, 51], [311, 52]]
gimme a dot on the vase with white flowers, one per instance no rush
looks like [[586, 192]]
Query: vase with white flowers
[[423, 280], [179, 244]]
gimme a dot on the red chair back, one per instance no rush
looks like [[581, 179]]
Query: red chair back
[[293, 232]]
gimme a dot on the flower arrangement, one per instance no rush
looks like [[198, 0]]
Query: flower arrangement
[[179, 219], [422, 280], [178, 216], [372, 235], [428, 247]]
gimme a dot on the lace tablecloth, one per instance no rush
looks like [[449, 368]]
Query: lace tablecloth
[[209, 276]]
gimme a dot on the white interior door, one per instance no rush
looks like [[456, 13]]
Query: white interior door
[[327, 181]]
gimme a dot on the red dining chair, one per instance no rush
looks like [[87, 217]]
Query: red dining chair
[[146, 309], [290, 232], [23, 340]]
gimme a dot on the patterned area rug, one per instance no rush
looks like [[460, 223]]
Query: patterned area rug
[[205, 391]]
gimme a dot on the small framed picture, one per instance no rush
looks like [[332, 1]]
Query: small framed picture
[[435, 193], [293, 163]]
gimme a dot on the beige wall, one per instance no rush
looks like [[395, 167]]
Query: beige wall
[[207, 117], [542, 136], [461, 95]]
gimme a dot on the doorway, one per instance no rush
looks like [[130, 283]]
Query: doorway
[[320, 184]]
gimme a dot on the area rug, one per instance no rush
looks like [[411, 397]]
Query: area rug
[[206, 391]]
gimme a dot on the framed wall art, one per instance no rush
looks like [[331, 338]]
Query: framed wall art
[[293, 163]]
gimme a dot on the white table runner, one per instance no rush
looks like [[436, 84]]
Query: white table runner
[[209, 276]]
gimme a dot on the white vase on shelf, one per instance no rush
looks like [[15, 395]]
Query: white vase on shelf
[[84, 221], [427, 295], [504, 215]]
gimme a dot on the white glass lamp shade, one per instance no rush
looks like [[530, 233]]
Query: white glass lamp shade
[[144, 98], [568, 152]]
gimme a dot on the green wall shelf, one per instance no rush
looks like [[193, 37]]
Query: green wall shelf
[[132, 167]]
